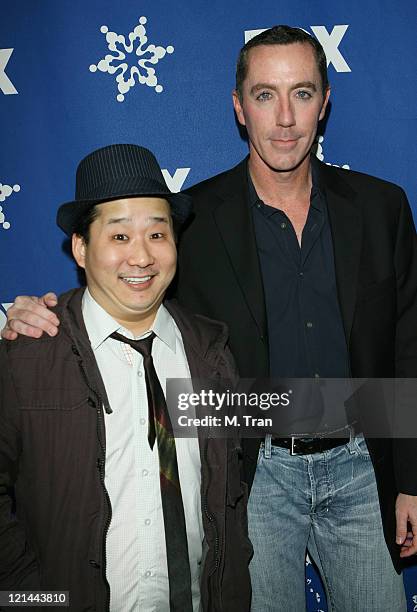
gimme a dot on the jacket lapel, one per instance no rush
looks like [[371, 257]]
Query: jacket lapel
[[233, 219], [346, 226]]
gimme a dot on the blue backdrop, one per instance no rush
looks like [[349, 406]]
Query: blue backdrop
[[76, 75]]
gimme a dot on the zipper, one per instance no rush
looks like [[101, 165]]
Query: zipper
[[211, 520], [107, 498], [100, 465]]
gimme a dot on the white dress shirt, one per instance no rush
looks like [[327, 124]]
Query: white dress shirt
[[136, 553]]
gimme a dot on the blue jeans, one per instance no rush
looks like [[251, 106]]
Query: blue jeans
[[326, 503]]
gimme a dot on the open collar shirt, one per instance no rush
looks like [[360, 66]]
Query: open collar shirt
[[135, 545], [305, 328]]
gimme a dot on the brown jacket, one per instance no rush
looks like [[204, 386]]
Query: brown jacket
[[52, 454]]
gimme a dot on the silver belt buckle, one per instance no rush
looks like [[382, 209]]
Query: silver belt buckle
[[292, 452]]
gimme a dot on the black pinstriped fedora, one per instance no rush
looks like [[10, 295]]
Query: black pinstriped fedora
[[114, 172]]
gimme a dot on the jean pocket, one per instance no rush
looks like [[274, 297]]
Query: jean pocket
[[361, 447]]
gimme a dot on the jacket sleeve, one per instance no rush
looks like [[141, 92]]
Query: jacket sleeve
[[18, 565], [405, 449]]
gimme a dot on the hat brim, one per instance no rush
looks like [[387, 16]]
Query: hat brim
[[70, 213]]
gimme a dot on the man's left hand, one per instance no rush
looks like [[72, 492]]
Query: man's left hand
[[406, 515]]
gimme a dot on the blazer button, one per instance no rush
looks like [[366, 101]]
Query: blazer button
[[94, 564], [75, 350]]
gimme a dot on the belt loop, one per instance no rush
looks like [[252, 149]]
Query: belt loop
[[352, 435], [267, 450]]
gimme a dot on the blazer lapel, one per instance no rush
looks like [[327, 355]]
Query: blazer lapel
[[346, 226], [234, 222], [233, 219]]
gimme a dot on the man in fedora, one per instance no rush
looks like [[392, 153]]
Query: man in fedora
[[109, 505]]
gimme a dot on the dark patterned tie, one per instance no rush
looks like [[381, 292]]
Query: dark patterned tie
[[160, 427]]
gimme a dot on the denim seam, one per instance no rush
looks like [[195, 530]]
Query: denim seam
[[267, 447], [325, 578]]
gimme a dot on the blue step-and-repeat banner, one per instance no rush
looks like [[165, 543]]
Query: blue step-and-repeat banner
[[79, 74]]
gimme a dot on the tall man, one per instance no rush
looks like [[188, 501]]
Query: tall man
[[315, 271], [109, 505]]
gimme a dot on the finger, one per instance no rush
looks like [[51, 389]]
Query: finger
[[50, 299], [408, 551], [35, 304], [34, 314], [33, 326], [24, 301], [408, 540], [401, 530], [8, 334]]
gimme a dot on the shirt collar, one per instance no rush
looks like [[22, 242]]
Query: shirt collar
[[316, 198], [100, 325], [254, 199]]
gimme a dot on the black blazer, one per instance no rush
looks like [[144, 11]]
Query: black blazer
[[375, 252]]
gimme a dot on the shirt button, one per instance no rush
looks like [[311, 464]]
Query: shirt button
[[309, 324], [142, 421], [140, 373], [147, 521], [301, 273], [148, 574], [283, 225], [258, 205], [316, 375], [145, 472]]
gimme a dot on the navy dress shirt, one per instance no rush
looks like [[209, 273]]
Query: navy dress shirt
[[305, 329]]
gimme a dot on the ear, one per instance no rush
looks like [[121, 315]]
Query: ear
[[324, 105], [238, 108], [79, 249]]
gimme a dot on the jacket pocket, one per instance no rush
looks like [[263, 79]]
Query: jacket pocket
[[56, 387]]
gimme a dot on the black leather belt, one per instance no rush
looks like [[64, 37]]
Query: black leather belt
[[308, 446]]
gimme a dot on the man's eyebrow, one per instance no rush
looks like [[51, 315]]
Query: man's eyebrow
[[157, 220], [119, 220], [308, 84], [259, 86], [149, 220]]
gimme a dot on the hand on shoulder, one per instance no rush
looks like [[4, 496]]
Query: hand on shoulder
[[30, 316]]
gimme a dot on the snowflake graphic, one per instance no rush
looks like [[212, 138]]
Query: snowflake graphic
[[117, 61], [5, 192]]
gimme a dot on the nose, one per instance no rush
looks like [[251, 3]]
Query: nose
[[284, 113], [140, 254]]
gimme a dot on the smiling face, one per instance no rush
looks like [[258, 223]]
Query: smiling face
[[281, 104], [130, 259]]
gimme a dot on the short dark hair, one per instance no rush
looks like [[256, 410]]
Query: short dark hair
[[280, 35], [82, 226]]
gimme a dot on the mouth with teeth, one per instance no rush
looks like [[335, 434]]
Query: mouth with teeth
[[137, 281]]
